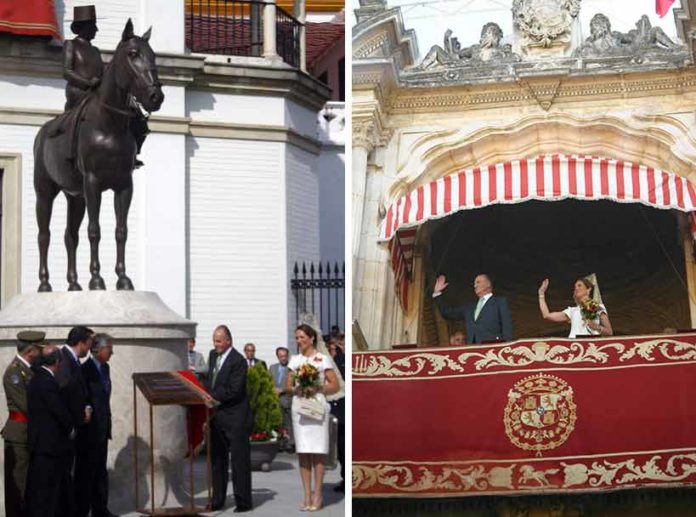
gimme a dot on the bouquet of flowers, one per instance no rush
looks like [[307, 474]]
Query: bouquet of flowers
[[307, 380], [590, 309]]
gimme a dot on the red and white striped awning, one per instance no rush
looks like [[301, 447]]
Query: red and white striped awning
[[546, 177], [550, 177]]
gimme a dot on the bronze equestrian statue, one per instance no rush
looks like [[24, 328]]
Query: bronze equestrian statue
[[93, 146]]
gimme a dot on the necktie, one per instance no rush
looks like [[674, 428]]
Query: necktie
[[249, 361], [479, 306], [281, 370], [216, 369]]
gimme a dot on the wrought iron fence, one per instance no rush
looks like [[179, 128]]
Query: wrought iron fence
[[320, 289], [229, 27], [288, 37]]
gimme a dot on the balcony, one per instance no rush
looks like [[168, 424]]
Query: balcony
[[244, 28]]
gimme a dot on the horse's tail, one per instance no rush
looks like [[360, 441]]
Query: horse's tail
[[40, 170]]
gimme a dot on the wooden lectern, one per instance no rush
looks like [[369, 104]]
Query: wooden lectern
[[162, 389]]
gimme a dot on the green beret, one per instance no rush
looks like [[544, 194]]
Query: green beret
[[35, 337]]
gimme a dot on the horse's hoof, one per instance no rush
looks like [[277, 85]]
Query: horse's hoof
[[45, 287], [74, 286], [124, 284], [97, 284]]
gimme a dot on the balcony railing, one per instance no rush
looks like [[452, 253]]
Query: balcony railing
[[236, 28], [288, 37]]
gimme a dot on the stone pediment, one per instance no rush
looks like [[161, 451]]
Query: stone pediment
[[546, 42], [380, 34]]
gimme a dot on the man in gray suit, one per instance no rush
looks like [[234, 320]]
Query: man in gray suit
[[486, 320], [279, 372]]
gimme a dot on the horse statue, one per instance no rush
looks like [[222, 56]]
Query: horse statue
[[105, 153]]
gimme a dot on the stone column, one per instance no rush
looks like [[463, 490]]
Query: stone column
[[270, 49], [363, 144], [300, 15]]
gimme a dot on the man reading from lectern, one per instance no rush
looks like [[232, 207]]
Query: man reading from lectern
[[231, 424], [486, 320]]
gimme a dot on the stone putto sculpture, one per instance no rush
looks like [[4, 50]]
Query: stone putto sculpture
[[489, 48], [605, 42]]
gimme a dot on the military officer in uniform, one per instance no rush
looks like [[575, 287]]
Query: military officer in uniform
[[15, 382]]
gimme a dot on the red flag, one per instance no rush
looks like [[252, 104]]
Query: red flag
[[662, 6]]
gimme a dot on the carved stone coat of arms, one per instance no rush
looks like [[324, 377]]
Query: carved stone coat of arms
[[543, 23]]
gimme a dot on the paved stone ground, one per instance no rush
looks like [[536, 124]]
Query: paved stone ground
[[277, 493]]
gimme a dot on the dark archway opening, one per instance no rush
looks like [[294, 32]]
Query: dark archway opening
[[636, 252]]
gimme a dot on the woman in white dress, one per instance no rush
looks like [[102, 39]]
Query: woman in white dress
[[311, 435], [579, 326]]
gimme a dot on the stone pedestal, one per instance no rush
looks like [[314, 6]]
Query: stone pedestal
[[148, 337]]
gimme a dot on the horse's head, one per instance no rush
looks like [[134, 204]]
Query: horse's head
[[135, 68]]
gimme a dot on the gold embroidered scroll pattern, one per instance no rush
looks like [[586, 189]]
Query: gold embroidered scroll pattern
[[596, 474], [669, 348], [419, 478], [415, 364], [433, 363], [542, 352]]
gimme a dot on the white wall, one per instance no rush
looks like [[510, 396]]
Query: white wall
[[163, 189], [331, 172], [302, 218], [31, 92], [237, 255], [235, 109]]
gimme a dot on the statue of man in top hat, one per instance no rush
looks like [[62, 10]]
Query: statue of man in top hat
[[83, 69], [82, 62]]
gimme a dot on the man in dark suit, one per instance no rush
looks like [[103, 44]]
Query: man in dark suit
[[15, 382], [279, 372], [250, 356], [488, 319], [93, 439], [50, 435], [231, 425], [74, 390]]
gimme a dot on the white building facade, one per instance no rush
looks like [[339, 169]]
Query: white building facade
[[229, 197]]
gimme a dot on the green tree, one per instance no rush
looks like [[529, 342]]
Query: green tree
[[263, 399]]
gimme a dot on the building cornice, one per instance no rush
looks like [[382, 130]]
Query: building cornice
[[545, 91], [184, 126]]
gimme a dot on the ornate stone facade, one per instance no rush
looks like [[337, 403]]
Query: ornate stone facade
[[628, 95]]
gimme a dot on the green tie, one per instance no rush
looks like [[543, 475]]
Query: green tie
[[479, 305], [216, 369]]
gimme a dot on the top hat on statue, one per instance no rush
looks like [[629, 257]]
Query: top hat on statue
[[84, 13]]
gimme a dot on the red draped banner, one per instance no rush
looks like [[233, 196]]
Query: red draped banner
[[554, 415], [29, 18]]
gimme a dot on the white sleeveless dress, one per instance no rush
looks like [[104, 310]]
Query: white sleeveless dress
[[311, 436]]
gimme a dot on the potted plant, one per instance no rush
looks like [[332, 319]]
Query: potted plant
[[266, 432]]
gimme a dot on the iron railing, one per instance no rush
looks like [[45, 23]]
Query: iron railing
[[288, 37], [320, 289], [229, 27]]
